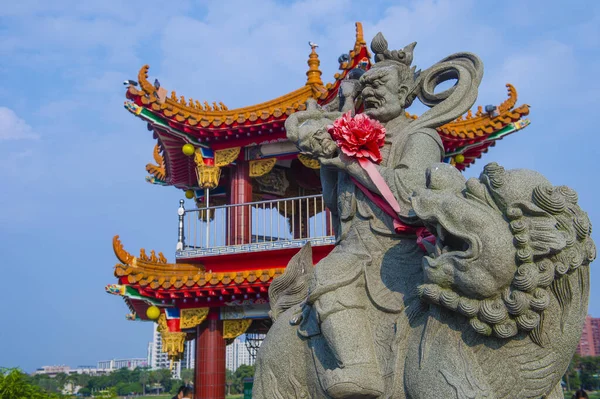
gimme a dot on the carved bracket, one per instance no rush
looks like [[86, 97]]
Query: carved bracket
[[261, 167], [309, 162], [234, 328], [190, 318], [226, 156]]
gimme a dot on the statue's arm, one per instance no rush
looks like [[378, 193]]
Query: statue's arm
[[329, 179], [406, 171]]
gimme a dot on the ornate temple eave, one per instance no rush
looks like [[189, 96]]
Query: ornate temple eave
[[206, 118], [156, 274], [483, 124]]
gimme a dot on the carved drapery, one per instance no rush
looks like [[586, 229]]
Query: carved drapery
[[234, 328], [260, 167]]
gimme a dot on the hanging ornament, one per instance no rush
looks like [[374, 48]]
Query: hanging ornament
[[153, 312], [460, 158], [189, 194], [188, 149]]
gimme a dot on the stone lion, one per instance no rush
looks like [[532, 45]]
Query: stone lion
[[495, 311]]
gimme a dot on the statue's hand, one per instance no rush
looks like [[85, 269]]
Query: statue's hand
[[342, 162], [308, 130]]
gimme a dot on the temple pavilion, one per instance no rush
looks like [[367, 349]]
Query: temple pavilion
[[254, 202]]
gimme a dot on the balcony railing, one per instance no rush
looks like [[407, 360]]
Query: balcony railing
[[253, 226]]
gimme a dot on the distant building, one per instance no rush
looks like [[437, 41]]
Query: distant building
[[589, 345], [116, 364], [53, 370], [89, 370], [236, 354]]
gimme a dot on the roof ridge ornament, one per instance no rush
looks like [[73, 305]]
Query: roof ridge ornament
[[314, 73], [360, 38]]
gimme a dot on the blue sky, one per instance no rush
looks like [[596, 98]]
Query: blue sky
[[72, 159]]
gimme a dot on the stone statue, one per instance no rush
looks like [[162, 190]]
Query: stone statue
[[494, 310]]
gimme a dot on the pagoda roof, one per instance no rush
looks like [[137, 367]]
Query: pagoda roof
[[147, 279], [177, 121], [156, 273], [204, 121]]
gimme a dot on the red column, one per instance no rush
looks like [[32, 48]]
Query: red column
[[210, 358], [240, 192]]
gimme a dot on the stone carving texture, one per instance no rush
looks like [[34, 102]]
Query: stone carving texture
[[491, 306]]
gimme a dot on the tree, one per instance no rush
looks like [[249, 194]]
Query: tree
[[242, 372], [144, 378], [14, 384], [187, 375], [229, 380]]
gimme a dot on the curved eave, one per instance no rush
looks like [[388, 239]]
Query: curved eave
[[156, 274], [201, 122]]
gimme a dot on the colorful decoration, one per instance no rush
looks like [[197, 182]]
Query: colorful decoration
[[207, 173], [189, 194], [188, 149], [460, 158], [153, 312], [115, 289], [358, 136], [133, 108], [173, 342]]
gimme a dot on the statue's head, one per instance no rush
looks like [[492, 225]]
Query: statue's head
[[505, 244], [389, 86]]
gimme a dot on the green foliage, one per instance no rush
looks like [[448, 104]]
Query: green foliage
[[238, 377], [187, 375], [583, 372], [15, 384], [176, 384]]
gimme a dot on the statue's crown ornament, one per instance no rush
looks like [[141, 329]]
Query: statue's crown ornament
[[380, 47]]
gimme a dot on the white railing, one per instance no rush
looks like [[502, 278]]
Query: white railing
[[275, 221]]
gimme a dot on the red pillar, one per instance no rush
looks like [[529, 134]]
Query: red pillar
[[210, 358], [240, 192]]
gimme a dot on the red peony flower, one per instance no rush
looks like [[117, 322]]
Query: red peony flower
[[359, 137]]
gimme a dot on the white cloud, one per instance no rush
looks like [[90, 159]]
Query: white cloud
[[14, 128]]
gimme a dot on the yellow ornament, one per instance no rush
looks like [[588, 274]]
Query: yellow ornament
[[153, 312], [460, 158], [188, 149], [189, 194]]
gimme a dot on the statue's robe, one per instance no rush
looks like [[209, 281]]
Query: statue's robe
[[366, 242]]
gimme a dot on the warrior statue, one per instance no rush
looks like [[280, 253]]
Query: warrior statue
[[371, 319]]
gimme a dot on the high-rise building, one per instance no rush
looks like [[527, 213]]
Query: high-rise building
[[237, 354], [589, 345]]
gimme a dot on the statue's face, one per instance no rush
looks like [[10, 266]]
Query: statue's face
[[383, 94]]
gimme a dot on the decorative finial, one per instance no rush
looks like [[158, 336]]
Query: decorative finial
[[313, 74], [380, 47]]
